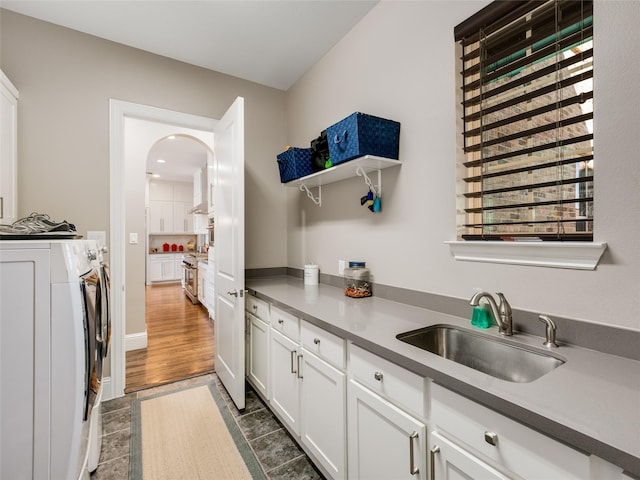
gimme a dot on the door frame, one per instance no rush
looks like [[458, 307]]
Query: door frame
[[118, 111]]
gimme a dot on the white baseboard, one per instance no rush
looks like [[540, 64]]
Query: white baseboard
[[135, 341]]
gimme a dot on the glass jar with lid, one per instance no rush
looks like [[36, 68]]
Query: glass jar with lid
[[356, 280]]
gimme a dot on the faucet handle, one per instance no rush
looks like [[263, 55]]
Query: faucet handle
[[550, 331], [505, 308]]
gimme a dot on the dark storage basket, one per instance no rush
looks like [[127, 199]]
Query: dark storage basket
[[360, 134], [294, 163]]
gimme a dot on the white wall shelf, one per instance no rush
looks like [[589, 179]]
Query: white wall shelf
[[342, 171]]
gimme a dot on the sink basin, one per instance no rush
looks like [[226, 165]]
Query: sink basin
[[492, 356]]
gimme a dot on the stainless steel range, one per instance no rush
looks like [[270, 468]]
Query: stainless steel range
[[190, 274]]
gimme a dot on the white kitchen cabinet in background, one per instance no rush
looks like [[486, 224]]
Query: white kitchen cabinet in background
[[162, 267], [285, 392], [170, 206], [8, 151]]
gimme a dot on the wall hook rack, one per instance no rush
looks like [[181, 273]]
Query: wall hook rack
[[356, 167], [376, 189], [317, 200]]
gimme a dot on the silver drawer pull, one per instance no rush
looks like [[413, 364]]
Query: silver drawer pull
[[378, 376], [293, 355], [298, 362], [255, 307], [280, 321], [491, 438], [432, 462], [316, 341], [412, 468]]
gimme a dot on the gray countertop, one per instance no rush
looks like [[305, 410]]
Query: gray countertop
[[591, 402]]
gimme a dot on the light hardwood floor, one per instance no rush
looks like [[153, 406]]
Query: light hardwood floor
[[180, 342]]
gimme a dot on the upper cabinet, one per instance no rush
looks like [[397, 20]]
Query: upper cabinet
[[170, 205], [8, 150]]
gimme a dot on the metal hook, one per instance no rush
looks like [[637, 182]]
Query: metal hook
[[376, 189]]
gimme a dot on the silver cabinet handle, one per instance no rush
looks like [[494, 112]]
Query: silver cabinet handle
[[1, 207], [378, 376], [255, 307], [298, 362], [233, 293], [432, 461], [293, 355], [280, 321], [491, 438], [316, 341], [412, 468]]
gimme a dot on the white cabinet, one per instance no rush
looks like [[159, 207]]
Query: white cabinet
[[202, 275], [384, 441], [200, 189], [162, 267], [285, 394], [210, 182], [160, 218], [8, 151], [170, 208], [323, 412], [481, 437], [182, 218], [450, 462], [258, 354]]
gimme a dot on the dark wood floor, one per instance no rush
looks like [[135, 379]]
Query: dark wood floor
[[180, 341]]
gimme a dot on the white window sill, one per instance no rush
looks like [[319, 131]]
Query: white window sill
[[573, 255]]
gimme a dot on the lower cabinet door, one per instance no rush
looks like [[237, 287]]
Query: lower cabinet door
[[285, 396], [258, 354], [451, 462], [384, 442], [323, 413]]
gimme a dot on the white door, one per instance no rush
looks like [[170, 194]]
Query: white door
[[229, 265]]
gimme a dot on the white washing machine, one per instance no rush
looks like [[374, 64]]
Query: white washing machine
[[51, 298]]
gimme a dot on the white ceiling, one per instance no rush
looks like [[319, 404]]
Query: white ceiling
[[271, 42]]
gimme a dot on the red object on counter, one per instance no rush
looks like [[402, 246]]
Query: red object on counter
[[181, 248], [174, 247], [165, 247]]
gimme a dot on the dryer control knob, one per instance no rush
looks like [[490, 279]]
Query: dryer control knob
[[92, 255]]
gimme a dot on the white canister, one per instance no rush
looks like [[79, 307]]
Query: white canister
[[311, 273]]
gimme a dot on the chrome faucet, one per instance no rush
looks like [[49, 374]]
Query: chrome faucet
[[502, 313]]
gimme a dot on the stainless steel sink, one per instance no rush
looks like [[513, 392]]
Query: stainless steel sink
[[492, 356]]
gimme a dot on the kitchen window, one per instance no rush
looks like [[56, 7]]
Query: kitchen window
[[525, 190], [527, 101]]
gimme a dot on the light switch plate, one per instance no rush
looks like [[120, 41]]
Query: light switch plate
[[133, 238]]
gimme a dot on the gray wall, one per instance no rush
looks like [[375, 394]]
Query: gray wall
[[399, 63], [66, 78]]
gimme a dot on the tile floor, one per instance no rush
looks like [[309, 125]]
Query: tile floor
[[278, 454]]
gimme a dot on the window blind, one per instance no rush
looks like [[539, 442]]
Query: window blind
[[527, 98]]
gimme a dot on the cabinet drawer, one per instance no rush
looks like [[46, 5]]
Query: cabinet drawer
[[397, 384], [322, 343], [285, 323], [257, 307], [517, 448]]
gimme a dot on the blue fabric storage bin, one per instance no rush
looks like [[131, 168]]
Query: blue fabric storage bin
[[294, 163], [361, 134]]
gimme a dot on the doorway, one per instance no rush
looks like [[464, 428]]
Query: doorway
[[126, 177]]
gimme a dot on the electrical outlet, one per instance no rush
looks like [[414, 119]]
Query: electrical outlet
[[340, 267]]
